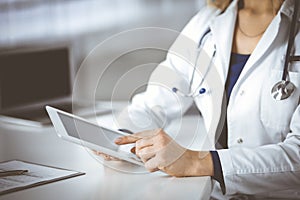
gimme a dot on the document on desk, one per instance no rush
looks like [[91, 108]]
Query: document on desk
[[33, 175]]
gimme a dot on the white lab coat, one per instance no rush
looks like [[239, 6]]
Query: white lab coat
[[263, 158]]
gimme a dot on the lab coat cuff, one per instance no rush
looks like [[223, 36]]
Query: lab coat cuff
[[227, 169]]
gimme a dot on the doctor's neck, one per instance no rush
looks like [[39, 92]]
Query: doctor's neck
[[257, 6], [262, 6]]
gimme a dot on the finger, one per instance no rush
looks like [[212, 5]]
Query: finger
[[148, 133], [126, 139], [95, 152], [137, 136], [143, 143], [146, 153], [151, 165], [111, 158], [102, 155], [105, 156], [98, 153], [132, 150]]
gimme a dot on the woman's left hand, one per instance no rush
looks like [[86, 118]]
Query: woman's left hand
[[160, 152]]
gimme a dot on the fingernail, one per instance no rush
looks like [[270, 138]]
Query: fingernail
[[132, 150], [118, 140]]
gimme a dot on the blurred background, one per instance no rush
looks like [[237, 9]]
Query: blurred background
[[80, 25]]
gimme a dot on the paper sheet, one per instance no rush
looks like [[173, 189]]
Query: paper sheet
[[37, 175]]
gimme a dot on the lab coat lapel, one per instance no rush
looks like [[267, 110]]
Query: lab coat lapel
[[263, 45], [267, 40], [223, 30]]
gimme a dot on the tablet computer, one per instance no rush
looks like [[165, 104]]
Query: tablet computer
[[80, 131]]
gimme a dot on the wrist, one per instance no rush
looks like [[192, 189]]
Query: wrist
[[202, 163]]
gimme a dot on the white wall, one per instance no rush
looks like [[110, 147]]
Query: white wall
[[83, 24]]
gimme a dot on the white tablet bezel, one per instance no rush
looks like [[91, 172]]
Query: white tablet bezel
[[62, 133]]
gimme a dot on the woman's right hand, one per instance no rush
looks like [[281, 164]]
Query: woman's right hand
[[111, 158]]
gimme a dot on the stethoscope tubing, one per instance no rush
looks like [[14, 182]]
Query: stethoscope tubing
[[199, 49], [289, 57]]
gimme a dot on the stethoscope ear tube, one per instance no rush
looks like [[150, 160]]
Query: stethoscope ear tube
[[284, 88]]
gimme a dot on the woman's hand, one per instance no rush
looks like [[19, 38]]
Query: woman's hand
[[105, 156], [160, 152]]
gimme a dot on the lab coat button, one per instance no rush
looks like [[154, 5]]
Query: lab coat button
[[240, 141]]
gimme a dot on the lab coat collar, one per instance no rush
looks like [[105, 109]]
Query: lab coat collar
[[222, 29], [267, 39], [287, 8]]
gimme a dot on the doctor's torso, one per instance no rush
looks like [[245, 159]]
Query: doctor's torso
[[254, 117]]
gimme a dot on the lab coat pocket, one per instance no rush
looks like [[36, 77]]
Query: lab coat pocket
[[277, 114]]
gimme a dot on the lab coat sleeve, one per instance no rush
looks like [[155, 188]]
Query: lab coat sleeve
[[159, 105], [266, 168]]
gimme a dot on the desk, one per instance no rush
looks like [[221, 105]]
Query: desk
[[42, 145]]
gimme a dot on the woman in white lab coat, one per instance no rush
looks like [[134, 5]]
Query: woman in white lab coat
[[263, 134]]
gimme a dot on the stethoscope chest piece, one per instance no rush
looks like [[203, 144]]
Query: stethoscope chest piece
[[282, 90]]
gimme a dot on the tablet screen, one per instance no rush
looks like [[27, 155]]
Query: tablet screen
[[89, 132]]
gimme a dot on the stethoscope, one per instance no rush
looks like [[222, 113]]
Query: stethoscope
[[199, 90], [280, 91], [284, 88]]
